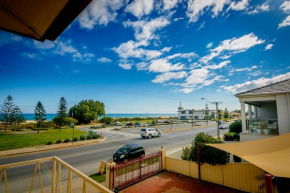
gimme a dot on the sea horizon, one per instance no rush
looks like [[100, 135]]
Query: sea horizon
[[50, 116]]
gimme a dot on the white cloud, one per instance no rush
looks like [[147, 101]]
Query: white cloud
[[145, 30], [65, 47], [259, 8], [238, 6], [269, 46], [256, 83], [169, 4], [233, 46], [100, 12], [166, 49], [86, 57], [196, 8], [142, 66], [285, 6], [44, 45], [132, 49], [218, 66], [285, 22], [104, 60], [186, 90], [190, 55], [8, 38], [140, 7], [202, 25], [162, 65], [177, 19], [30, 55], [169, 76], [125, 66]]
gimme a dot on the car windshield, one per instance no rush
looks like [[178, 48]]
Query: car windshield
[[143, 129], [124, 149]]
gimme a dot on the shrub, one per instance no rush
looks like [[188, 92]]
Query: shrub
[[95, 136], [229, 136], [49, 143], [82, 137], [59, 141], [67, 140], [75, 139], [236, 126], [47, 124], [208, 154], [89, 137]]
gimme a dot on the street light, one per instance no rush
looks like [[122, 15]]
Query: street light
[[217, 114]]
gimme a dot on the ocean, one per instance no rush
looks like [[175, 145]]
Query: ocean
[[49, 117]]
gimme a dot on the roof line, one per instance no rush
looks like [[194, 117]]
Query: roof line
[[262, 87]]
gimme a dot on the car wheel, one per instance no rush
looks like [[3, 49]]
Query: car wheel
[[150, 136], [143, 137], [159, 134]]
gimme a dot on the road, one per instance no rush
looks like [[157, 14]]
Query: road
[[87, 158]]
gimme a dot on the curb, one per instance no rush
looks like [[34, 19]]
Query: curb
[[50, 149]]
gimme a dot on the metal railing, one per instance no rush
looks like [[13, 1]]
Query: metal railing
[[262, 126], [56, 184]]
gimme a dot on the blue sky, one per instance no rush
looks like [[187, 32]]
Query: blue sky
[[147, 56]]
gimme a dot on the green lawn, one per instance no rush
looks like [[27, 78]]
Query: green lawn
[[10, 141]]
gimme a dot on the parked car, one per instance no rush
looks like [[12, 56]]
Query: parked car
[[138, 124], [166, 121], [130, 124], [117, 123], [150, 132], [223, 126], [129, 151]]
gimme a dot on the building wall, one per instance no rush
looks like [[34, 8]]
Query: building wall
[[267, 110], [283, 113]]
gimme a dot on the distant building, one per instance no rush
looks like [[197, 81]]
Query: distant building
[[194, 114]]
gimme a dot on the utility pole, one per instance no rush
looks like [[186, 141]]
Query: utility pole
[[217, 114]]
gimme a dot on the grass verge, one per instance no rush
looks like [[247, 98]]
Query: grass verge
[[98, 177], [12, 141]]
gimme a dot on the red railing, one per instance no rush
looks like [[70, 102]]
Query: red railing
[[125, 174]]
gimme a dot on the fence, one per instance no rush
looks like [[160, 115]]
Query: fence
[[56, 182], [125, 174], [242, 176]]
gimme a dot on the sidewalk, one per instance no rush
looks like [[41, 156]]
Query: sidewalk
[[47, 147], [170, 182]]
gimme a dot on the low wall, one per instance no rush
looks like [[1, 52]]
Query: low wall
[[242, 176]]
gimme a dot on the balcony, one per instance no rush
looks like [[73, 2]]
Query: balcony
[[262, 126]]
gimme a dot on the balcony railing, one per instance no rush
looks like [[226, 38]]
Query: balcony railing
[[262, 126], [55, 185]]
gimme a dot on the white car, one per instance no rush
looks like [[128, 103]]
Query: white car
[[223, 126], [150, 132]]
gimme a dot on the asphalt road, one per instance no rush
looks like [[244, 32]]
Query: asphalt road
[[87, 158]]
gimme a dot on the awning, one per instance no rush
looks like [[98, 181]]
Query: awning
[[38, 19], [270, 154]]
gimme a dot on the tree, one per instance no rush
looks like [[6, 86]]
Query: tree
[[39, 114], [207, 154], [62, 112], [69, 120], [226, 115], [87, 110], [236, 126], [206, 114], [6, 111], [106, 120], [16, 117]]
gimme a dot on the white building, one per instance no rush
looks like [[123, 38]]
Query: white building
[[194, 114], [268, 111]]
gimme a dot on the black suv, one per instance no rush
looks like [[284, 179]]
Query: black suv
[[129, 151]]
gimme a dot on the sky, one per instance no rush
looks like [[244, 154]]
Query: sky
[[141, 56]]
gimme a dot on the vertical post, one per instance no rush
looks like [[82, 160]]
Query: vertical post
[[163, 152], [217, 115], [243, 114], [53, 175], [109, 171], [269, 184], [198, 161]]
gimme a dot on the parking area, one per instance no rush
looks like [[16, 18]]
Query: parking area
[[171, 182]]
